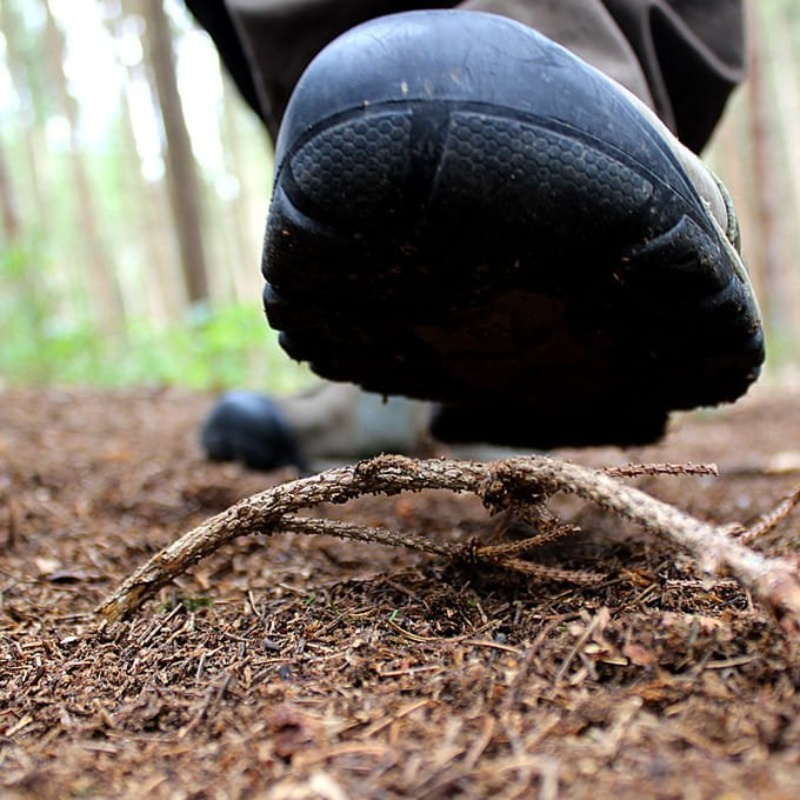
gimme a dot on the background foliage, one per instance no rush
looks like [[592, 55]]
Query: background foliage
[[97, 281]]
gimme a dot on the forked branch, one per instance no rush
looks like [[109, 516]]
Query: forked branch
[[520, 485]]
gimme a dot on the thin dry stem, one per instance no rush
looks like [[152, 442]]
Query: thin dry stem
[[528, 544], [548, 573], [637, 470], [771, 520], [520, 484], [544, 525], [362, 533]]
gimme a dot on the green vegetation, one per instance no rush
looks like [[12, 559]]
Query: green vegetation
[[211, 349]]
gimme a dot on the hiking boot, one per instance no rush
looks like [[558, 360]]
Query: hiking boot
[[465, 212]]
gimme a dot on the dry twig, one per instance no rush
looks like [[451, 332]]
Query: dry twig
[[771, 520], [519, 484]]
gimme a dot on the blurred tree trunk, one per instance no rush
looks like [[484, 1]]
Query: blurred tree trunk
[[158, 283], [159, 277], [107, 307], [239, 209], [182, 177], [780, 32], [8, 198], [26, 86], [766, 183], [732, 159]]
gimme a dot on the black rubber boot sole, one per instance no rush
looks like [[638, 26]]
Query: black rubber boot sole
[[465, 212]]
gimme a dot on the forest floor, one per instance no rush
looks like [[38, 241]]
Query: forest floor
[[307, 667]]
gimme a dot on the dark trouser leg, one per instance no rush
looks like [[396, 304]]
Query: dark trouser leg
[[683, 57]]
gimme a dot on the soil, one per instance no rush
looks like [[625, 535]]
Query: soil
[[307, 667]]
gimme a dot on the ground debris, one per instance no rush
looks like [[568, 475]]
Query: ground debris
[[298, 666]]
